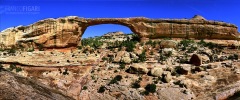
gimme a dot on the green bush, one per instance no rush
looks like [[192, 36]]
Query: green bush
[[130, 45], [151, 88], [210, 45], [182, 85], [71, 20], [104, 58], [1, 68], [92, 42], [186, 42], [84, 88], [65, 72], [18, 69], [145, 93], [62, 20], [122, 66], [233, 57], [162, 57], [12, 50], [79, 47], [12, 67], [30, 50], [191, 49], [115, 79], [142, 56], [135, 37], [136, 85], [101, 89], [40, 47]]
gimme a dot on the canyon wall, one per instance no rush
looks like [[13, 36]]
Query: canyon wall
[[67, 32]]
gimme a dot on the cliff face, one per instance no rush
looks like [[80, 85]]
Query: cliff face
[[67, 32]]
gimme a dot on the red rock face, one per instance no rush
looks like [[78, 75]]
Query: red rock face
[[67, 32]]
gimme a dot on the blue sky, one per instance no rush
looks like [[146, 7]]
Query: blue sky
[[24, 12]]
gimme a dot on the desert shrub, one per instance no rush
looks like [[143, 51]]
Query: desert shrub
[[150, 42], [202, 42], [40, 47], [92, 42], [101, 89], [191, 49], [182, 85], [135, 85], [130, 45], [65, 72], [1, 49], [13, 66], [79, 47], [210, 45], [233, 57], [165, 56], [145, 93], [151, 88], [62, 20], [71, 20], [168, 54], [30, 50], [84, 88], [186, 42], [111, 59], [162, 58], [12, 50], [104, 58], [135, 37], [1, 68], [60, 71], [18, 69], [122, 66], [115, 79], [142, 56]]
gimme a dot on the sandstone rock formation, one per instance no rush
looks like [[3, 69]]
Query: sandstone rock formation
[[16, 87], [67, 31]]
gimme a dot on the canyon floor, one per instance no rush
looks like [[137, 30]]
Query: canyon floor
[[119, 66]]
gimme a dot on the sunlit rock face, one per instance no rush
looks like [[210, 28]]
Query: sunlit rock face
[[67, 32]]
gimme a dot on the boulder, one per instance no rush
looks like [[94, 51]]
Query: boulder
[[118, 57], [168, 44], [126, 60], [167, 77], [166, 51], [196, 60], [140, 68], [15, 87], [183, 69], [157, 71], [173, 94]]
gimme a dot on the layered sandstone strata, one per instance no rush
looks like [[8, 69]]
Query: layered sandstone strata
[[67, 32]]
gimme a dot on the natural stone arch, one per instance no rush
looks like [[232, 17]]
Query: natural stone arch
[[50, 33]]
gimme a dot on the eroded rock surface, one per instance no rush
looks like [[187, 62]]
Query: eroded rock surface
[[16, 87]]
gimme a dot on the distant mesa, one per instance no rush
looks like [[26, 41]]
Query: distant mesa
[[67, 32], [113, 34]]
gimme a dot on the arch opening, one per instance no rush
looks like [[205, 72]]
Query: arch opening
[[101, 29]]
